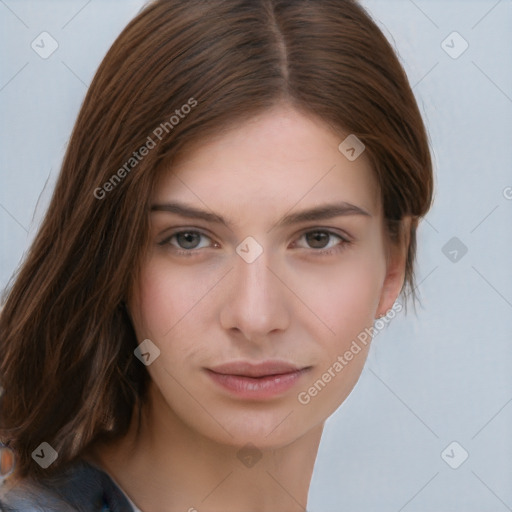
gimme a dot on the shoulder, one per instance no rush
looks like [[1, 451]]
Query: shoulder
[[80, 487], [27, 496]]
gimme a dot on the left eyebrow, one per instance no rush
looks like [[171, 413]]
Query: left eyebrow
[[327, 211]]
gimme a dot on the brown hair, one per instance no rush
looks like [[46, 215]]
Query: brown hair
[[180, 72]]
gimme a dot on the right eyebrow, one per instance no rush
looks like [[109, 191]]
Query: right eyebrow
[[190, 212]]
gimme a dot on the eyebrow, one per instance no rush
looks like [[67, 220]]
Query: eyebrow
[[326, 211]]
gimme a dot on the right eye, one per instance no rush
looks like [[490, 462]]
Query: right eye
[[185, 242]]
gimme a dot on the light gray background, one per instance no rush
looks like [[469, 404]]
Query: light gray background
[[440, 376]]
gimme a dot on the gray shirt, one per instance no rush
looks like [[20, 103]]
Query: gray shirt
[[80, 487]]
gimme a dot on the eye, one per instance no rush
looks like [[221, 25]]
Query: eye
[[188, 242], [324, 241], [185, 242]]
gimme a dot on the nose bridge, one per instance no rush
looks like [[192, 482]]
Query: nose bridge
[[254, 279], [256, 302], [251, 267]]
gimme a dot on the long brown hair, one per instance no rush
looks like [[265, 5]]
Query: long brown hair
[[180, 72]]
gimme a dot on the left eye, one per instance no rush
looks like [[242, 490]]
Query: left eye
[[320, 239]]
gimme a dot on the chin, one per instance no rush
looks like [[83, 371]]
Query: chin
[[264, 427]]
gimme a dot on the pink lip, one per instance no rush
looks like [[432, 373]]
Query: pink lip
[[256, 381]]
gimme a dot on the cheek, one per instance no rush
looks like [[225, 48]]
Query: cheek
[[164, 297], [345, 296], [152, 311], [171, 306], [346, 300], [163, 303]]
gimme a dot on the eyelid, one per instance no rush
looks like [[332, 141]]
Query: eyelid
[[333, 231], [170, 231]]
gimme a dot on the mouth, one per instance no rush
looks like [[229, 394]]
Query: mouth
[[259, 381]]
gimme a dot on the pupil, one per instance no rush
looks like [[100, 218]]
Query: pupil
[[317, 239], [186, 240]]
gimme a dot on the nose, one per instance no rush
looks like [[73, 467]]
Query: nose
[[257, 301]]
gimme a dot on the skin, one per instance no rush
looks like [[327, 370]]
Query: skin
[[291, 303]]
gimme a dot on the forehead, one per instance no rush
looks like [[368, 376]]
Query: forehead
[[272, 161]]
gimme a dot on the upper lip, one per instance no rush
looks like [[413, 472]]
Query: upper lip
[[249, 369]]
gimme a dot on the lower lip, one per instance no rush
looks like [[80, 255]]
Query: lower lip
[[257, 388]]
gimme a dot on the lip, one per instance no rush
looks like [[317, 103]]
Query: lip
[[256, 381]]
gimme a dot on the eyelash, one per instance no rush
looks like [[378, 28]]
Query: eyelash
[[319, 252]]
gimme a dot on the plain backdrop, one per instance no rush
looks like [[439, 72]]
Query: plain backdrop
[[437, 385]]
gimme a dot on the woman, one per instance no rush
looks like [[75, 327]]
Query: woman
[[237, 205]]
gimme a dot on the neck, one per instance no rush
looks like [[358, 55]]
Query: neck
[[167, 462]]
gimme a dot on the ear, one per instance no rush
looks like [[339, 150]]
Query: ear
[[395, 269]]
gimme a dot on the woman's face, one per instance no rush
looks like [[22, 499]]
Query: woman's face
[[267, 260]]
